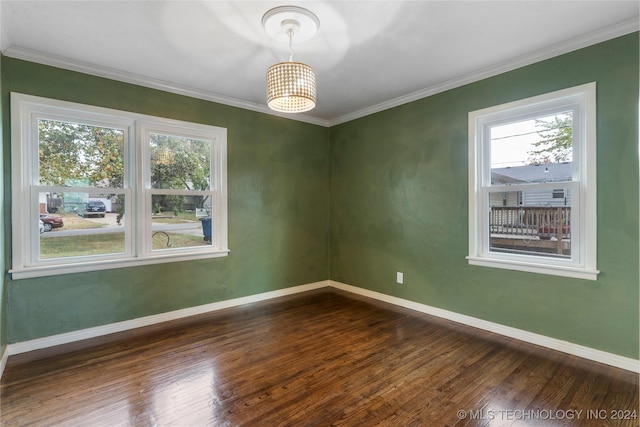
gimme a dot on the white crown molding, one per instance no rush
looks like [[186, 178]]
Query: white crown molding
[[571, 45], [139, 80], [608, 33]]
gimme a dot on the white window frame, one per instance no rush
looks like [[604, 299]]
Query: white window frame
[[26, 110], [582, 264]]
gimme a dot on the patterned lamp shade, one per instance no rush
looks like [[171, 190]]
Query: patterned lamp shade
[[291, 87]]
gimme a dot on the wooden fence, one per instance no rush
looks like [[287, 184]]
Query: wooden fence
[[549, 225]]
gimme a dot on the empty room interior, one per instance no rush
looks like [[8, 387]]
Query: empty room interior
[[347, 213]]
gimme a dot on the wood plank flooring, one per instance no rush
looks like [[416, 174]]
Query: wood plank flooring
[[321, 358]]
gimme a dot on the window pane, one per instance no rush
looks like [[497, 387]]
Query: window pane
[[535, 150], [530, 222], [80, 224], [180, 221], [79, 155], [179, 163]]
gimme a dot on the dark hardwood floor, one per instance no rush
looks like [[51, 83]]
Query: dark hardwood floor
[[319, 358]]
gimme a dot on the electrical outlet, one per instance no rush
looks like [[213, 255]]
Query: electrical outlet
[[399, 278]]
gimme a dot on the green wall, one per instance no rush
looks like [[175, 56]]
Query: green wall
[[399, 203], [278, 182], [358, 202]]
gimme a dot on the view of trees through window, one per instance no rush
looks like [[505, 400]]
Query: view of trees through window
[[179, 163], [556, 140], [73, 154], [84, 167]]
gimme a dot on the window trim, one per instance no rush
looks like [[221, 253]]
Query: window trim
[[145, 129], [25, 110], [581, 99]]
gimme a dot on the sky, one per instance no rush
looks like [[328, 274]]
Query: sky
[[511, 143]]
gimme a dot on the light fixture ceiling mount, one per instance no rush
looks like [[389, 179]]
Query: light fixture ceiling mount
[[279, 20], [291, 86]]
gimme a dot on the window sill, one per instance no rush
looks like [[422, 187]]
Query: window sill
[[553, 270], [55, 270]]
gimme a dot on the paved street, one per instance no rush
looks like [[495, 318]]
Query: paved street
[[192, 228]]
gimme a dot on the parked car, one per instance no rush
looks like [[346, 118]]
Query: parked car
[[94, 207], [41, 227], [51, 222]]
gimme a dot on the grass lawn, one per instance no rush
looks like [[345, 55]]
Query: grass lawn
[[91, 244], [74, 222], [106, 243], [170, 218]]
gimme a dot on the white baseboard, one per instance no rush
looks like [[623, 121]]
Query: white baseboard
[[4, 356], [83, 334], [610, 359], [530, 337]]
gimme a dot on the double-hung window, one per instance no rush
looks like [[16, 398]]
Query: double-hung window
[[532, 184], [116, 188]]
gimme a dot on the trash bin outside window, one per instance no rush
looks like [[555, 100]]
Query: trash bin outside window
[[206, 229]]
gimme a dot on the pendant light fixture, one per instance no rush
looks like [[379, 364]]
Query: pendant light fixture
[[291, 86]]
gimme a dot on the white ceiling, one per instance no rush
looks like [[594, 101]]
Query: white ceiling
[[368, 55]]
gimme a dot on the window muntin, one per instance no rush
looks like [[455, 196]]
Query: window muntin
[[94, 166], [520, 154]]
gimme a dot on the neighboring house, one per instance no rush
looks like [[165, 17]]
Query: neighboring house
[[549, 172]]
